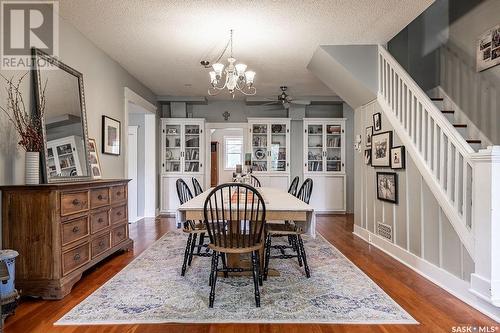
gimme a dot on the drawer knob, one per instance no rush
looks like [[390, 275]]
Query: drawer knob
[[76, 229], [101, 243], [119, 234], [100, 220], [76, 257], [118, 193], [100, 197], [76, 202], [119, 213]]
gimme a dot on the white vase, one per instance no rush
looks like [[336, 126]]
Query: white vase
[[32, 168]]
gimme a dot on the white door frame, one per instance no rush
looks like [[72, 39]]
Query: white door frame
[[150, 182], [208, 135]]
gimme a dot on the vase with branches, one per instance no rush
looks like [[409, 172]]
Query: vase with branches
[[28, 124]]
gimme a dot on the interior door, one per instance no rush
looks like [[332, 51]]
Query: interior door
[[132, 173]]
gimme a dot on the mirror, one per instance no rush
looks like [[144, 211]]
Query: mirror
[[64, 122]]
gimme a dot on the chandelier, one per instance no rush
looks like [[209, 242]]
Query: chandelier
[[234, 77]]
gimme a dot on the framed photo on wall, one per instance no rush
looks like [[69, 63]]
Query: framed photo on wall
[[368, 136], [387, 186], [368, 156], [488, 49], [377, 121], [111, 135], [381, 149], [398, 157], [95, 162]]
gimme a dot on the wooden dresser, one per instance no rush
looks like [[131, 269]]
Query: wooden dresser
[[60, 230]]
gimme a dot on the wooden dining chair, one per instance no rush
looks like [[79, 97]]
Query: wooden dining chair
[[254, 181], [235, 215], [293, 186], [293, 232], [193, 228], [197, 187]]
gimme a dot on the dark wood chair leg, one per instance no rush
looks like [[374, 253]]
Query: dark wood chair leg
[[301, 246], [202, 240], [186, 255], [259, 270], [255, 271], [296, 249], [224, 265], [268, 253], [193, 244], [213, 273], [210, 277]]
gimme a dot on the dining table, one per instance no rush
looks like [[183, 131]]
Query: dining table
[[280, 206]]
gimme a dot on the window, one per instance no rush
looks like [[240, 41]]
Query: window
[[233, 152]]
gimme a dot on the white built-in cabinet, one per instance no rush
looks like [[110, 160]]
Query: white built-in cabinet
[[270, 151], [64, 156], [324, 162], [182, 156]]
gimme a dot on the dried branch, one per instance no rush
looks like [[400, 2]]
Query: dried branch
[[27, 125]]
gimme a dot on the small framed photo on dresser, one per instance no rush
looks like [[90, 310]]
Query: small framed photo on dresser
[[398, 158]]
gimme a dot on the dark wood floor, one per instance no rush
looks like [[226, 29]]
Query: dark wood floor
[[435, 309]]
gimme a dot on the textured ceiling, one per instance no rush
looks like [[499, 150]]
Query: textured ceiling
[[161, 42]]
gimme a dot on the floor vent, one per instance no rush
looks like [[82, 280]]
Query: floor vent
[[384, 230]]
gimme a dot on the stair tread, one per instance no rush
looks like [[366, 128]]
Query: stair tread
[[473, 141], [447, 111], [437, 99], [460, 125]]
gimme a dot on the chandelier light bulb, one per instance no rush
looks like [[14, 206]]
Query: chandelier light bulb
[[240, 69], [218, 67], [249, 76], [213, 78]]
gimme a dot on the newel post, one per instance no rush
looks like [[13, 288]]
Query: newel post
[[485, 281]]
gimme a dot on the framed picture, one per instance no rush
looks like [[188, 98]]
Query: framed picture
[[368, 136], [377, 121], [488, 49], [111, 134], [398, 157], [95, 162], [368, 156], [387, 187], [381, 149]]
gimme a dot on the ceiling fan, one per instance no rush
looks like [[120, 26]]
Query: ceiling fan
[[285, 100]]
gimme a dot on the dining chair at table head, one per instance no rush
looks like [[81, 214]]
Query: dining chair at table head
[[235, 215], [305, 190], [197, 187], [254, 181], [193, 228], [293, 186]]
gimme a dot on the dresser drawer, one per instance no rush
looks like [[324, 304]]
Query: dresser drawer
[[99, 197], [118, 193], [74, 230], [118, 214], [99, 221], [100, 245], [118, 234], [75, 258], [74, 202]]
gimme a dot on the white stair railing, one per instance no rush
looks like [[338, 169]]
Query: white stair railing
[[441, 154]]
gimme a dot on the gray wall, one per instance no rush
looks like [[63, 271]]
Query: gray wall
[[439, 49], [419, 225]]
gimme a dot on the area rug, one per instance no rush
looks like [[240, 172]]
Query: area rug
[[151, 290]]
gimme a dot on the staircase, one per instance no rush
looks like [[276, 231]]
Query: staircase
[[439, 146]]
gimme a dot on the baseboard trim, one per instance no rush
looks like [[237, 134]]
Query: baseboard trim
[[438, 276]]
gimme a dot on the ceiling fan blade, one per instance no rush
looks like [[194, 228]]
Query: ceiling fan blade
[[300, 102], [271, 103]]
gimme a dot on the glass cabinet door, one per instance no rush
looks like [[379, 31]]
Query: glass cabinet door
[[259, 147], [172, 148], [278, 147], [66, 160], [334, 148], [51, 163], [192, 147], [315, 147]]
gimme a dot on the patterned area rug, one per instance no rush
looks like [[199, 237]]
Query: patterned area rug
[[151, 290]]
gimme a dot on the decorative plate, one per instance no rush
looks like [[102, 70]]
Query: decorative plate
[[168, 155], [260, 154], [277, 129]]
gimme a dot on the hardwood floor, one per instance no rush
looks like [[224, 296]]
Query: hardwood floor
[[435, 309]]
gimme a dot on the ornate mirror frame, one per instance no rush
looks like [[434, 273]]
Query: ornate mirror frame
[[38, 55]]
